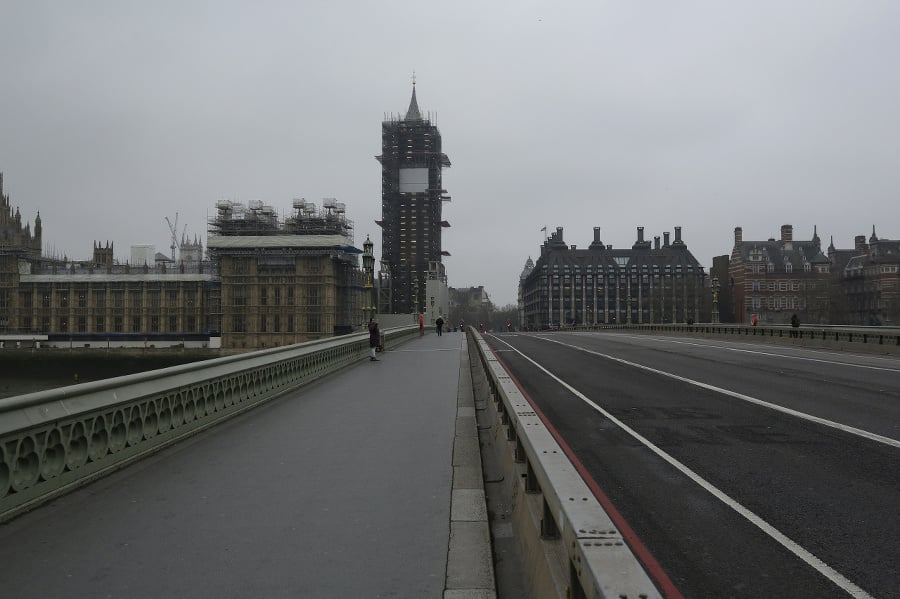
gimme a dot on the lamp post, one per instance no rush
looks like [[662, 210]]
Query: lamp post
[[715, 298], [369, 268]]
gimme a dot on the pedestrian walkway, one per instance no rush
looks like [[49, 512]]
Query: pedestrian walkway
[[341, 489]]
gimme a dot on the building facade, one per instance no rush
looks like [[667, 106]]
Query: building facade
[[649, 283], [265, 283], [283, 283], [777, 278], [412, 197], [869, 279]]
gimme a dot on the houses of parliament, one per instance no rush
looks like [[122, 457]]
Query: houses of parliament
[[263, 283]]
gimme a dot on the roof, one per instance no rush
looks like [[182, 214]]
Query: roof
[[413, 114]]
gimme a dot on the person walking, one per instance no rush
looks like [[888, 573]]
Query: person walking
[[374, 339], [795, 324], [439, 324]]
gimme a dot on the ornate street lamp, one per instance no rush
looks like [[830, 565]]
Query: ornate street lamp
[[369, 268], [715, 297]]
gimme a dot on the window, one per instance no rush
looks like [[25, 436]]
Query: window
[[64, 298], [239, 296], [63, 325], [290, 324], [100, 300], [313, 323], [154, 324], [263, 296], [82, 324], [173, 324], [290, 296], [117, 324], [237, 324], [262, 323], [99, 324], [135, 324]]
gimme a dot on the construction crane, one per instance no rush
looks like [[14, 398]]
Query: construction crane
[[173, 227]]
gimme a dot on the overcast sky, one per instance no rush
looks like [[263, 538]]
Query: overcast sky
[[704, 115]]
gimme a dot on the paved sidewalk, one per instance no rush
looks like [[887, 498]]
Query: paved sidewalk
[[350, 487]]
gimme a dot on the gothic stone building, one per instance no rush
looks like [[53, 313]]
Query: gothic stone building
[[283, 283], [412, 197], [644, 284], [267, 284]]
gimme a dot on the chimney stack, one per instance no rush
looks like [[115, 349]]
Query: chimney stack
[[787, 233], [677, 234], [640, 234], [597, 234], [666, 239], [738, 235], [656, 242], [860, 244]]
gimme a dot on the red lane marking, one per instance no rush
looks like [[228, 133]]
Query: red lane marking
[[654, 569]]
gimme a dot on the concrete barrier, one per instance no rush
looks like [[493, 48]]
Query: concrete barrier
[[53, 441], [570, 545]]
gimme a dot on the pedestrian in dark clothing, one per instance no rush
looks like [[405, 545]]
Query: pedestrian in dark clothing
[[795, 324], [439, 324], [374, 339]]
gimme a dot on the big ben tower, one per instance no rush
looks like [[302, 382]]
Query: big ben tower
[[412, 195]]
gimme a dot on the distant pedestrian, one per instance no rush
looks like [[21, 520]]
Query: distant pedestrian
[[421, 324], [374, 339], [439, 324], [795, 324]]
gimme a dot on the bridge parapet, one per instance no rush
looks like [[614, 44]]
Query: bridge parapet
[[571, 546], [54, 441]]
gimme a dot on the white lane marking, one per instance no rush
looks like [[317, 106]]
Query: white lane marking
[[824, 569], [762, 353], [830, 423]]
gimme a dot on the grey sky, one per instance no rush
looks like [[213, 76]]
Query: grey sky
[[707, 115]]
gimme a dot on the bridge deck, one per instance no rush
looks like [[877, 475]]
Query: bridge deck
[[340, 489]]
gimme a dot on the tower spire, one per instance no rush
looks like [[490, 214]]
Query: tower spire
[[413, 114]]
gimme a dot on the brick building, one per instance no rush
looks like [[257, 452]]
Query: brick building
[[869, 278], [777, 278]]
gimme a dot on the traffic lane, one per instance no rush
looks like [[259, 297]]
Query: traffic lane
[[858, 395], [834, 494]]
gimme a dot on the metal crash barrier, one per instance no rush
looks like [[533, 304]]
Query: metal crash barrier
[[870, 339], [53, 441], [570, 545]]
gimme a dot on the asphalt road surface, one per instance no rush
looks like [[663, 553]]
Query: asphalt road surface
[[744, 470]]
